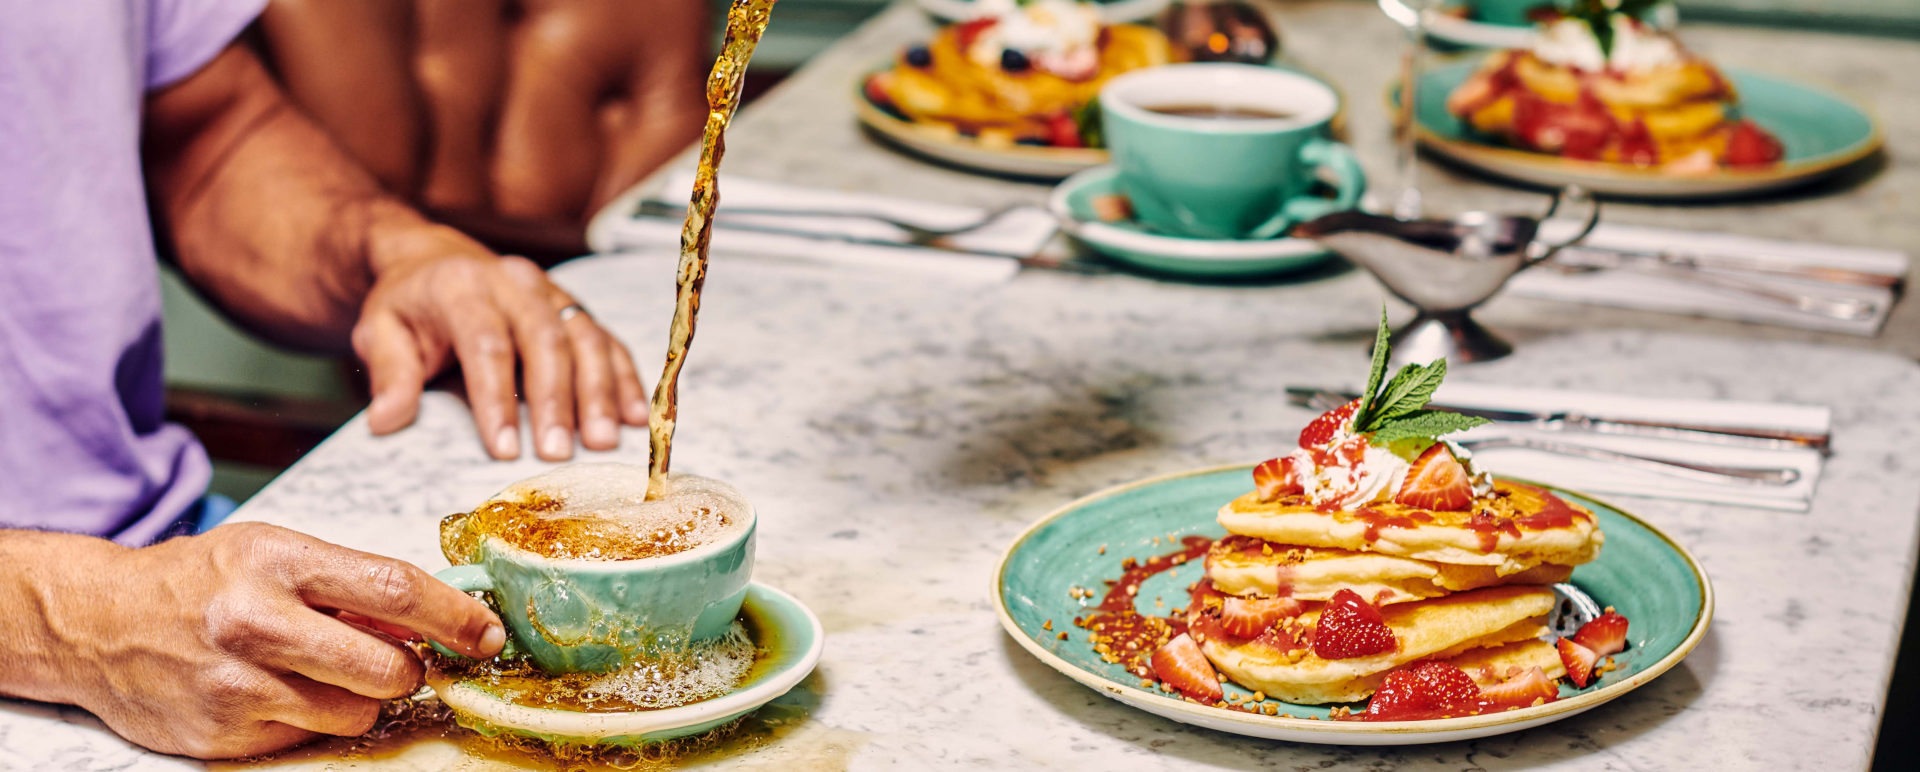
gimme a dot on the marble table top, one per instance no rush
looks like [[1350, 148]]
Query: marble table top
[[800, 133], [897, 434]]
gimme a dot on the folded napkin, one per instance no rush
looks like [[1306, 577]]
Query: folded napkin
[[1019, 232], [1595, 476], [1648, 290]]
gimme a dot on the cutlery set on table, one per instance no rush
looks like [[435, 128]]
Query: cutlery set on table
[[1763, 455]]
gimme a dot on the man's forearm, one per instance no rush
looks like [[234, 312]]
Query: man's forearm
[[267, 215], [45, 573]]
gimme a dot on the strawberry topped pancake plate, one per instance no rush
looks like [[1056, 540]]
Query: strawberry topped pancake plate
[[1371, 586]]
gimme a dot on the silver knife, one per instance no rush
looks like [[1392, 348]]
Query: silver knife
[[673, 211], [1568, 421]]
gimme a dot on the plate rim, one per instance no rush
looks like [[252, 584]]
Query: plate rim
[[907, 132], [1511, 162], [1120, 11], [1475, 33], [1214, 716], [609, 724]]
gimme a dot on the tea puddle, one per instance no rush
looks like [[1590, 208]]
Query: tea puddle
[[421, 736]]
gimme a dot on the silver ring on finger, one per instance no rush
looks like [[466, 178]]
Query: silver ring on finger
[[571, 310]]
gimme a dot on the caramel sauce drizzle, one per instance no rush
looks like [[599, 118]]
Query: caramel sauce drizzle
[[746, 21]]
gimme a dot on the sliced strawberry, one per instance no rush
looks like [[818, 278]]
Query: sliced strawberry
[[1637, 145], [1579, 130], [1605, 634], [1322, 429], [1520, 691], [1180, 665], [1350, 627], [1579, 661], [1249, 617], [876, 90], [1062, 131], [1750, 145], [1425, 689], [1437, 481], [1204, 625], [965, 32], [1274, 478]]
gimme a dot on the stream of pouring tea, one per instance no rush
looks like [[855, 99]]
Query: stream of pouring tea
[[746, 20]]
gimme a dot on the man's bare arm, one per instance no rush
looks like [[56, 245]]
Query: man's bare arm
[[267, 215], [242, 640], [286, 233]]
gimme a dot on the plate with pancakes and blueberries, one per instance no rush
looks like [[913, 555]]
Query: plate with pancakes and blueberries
[[1605, 100], [1008, 91], [1373, 586]]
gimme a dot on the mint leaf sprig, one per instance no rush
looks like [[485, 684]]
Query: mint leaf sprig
[[1399, 410], [1598, 16]]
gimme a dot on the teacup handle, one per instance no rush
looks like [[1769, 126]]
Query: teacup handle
[[1350, 182], [472, 577]]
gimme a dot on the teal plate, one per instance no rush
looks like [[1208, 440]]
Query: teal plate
[[788, 634], [1641, 572], [1137, 245], [1822, 132]]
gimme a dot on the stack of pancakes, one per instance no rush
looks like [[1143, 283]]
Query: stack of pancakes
[[1469, 586]]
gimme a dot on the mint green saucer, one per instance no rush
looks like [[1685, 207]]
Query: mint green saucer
[[1821, 130], [1642, 572], [791, 639], [1135, 244]]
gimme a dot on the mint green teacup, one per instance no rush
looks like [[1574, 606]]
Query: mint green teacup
[[1226, 177], [569, 615]]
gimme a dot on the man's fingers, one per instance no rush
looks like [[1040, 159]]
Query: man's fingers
[[546, 356], [626, 378], [484, 344], [395, 370], [324, 709], [377, 625], [399, 593], [596, 396], [332, 652]]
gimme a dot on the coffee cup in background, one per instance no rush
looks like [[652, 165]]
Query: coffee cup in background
[[1226, 151]]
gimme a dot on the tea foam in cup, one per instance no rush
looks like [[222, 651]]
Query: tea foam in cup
[[599, 511]]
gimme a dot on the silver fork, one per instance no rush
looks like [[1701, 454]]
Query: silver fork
[[1818, 305], [917, 235], [1714, 473]]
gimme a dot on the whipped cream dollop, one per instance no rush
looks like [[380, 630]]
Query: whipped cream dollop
[[1059, 36], [1636, 47], [1349, 472]]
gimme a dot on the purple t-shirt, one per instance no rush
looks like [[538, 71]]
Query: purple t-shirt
[[83, 445]]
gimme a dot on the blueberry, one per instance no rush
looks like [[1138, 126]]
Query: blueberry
[[919, 56], [1035, 141], [1014, 61]]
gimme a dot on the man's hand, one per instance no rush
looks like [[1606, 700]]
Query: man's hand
[[280, 228], [228, 644], [460, 301]]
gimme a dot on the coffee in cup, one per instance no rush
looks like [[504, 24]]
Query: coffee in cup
[[590, 575], [1226, 151]]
